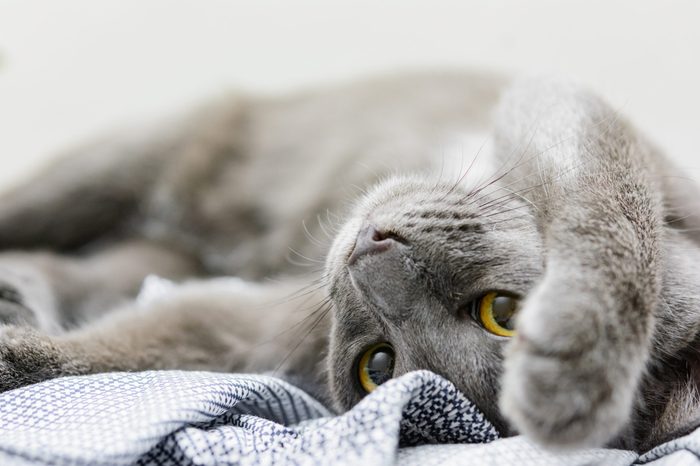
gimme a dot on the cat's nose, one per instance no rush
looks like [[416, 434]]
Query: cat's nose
[[380, 270], [370, 240]]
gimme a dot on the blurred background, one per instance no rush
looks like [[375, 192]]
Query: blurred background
[[70, 69]]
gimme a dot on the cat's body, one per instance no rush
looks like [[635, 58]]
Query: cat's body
[[578, 215]]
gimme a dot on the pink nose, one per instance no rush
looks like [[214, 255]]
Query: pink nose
[[370, 241]]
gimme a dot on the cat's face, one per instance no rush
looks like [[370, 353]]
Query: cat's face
[[407, 273]]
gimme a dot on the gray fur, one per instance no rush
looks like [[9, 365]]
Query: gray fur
[[578, 214]]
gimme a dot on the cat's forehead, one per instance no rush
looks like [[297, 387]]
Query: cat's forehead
[[460, 167], [425, 197]]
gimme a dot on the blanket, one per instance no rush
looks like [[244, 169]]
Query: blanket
[[201, 418]]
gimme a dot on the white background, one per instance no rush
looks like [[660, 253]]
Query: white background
[[69, 69]]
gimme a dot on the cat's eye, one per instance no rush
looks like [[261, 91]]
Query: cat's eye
[[376, 366], [496, 311]]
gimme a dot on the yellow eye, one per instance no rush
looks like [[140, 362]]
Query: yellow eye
[[496, 312], [376, 366]]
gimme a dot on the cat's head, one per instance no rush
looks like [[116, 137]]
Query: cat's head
[[424, 275]]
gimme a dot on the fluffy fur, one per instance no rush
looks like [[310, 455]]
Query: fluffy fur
[[572, 210]]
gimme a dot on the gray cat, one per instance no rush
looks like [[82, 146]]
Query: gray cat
[[547, 270]]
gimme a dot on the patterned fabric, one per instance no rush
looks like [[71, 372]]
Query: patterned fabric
[[198, 418]]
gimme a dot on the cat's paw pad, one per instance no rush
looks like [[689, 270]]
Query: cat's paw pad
[[27, 357], [563, 384]]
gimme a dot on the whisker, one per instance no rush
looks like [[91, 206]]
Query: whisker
[[310, 288], [466, 172], [323, 227], [501, 212], [489, 181], [316, 309], [314, 261], [320, 318], [311, 237], [509, 219]]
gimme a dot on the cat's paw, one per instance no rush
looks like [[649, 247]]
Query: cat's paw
[[565, 383], [28, 357]]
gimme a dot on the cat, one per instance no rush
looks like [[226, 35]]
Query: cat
[[520, 239]]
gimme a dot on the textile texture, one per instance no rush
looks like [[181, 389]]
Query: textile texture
[[200, 418]]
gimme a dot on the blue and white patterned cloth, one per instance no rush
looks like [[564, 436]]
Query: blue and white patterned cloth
[[198, 418]]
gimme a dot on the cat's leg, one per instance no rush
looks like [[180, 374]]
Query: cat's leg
[[83, 194], [572, 371], [53, 292], [83, 197], [216, 325]]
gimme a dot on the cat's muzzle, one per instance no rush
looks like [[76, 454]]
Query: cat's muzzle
[[378, 269]]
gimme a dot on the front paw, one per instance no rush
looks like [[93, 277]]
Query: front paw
[[28, 357], [568, 382]]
